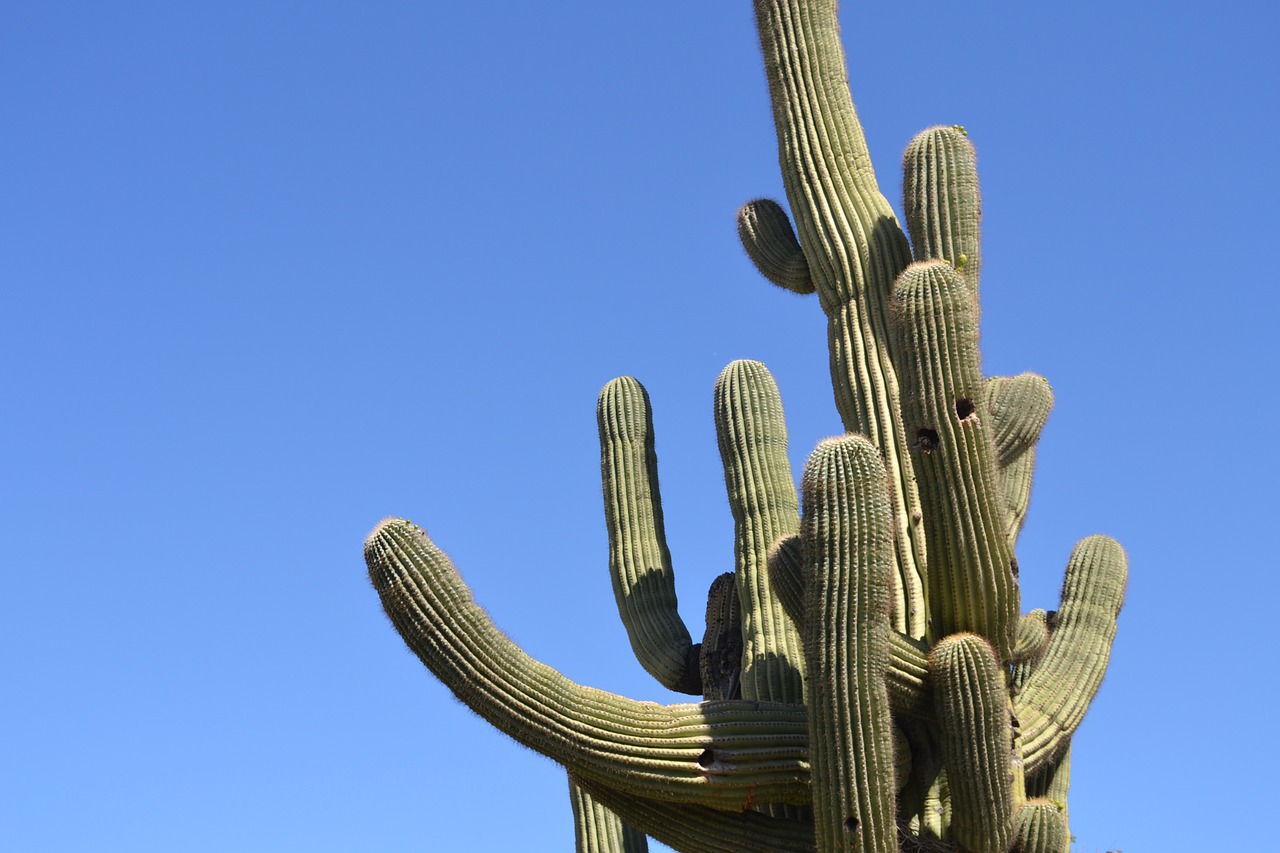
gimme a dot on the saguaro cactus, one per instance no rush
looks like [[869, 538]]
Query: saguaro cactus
[[867, 682]]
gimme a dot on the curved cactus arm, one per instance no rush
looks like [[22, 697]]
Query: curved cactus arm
[[1019, 407], [770, 242], [596, 829], [848, 539], [972, 573], [1057, 693], [1042, 828], [698, 829], [722, 643], [941, 200], [752, 434], [973, 711], [639, 561], [719, 754], [854, 248]]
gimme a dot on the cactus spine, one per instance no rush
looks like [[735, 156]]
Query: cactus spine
[[866, 681]]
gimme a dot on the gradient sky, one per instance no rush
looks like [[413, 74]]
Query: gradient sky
[[273, 271]]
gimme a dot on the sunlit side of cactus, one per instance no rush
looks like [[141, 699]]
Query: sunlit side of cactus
[[866, 680]]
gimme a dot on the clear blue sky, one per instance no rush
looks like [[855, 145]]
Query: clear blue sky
[[273, 271]]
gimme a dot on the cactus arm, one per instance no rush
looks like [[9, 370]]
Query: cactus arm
[[752, 435], [1030, 642], [941, 200], [718, 754], [908, 674], [854, 248], [1053, 783], [770, 242], [597, 829], [639, 561], [1059, 689], [848, 534], [722, 642], [1015, 482], [787, 576], [972, 709], [972, 586], [1019, 407], [1042, 828], [698, 829]]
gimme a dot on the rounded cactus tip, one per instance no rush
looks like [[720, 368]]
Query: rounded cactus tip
[[381, 526]]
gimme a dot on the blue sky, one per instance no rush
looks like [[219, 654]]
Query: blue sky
[[276, 270]]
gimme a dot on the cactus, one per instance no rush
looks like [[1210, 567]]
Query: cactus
[[866, 682]]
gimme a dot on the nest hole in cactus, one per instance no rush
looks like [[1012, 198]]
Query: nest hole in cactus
[[851, 825], [964, 408], [927, 440]]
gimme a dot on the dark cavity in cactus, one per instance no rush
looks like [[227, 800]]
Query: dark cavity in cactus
[[866, 680]]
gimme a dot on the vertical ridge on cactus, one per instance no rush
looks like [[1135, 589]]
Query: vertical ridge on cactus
[[848, 540], [868, 681]]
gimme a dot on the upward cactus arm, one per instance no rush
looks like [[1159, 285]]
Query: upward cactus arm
[[853, 246], [752, 434], [1060, 687], [719, 754], [639, 561], [973, 712], [941, 200], [848, 535], [972, 586]]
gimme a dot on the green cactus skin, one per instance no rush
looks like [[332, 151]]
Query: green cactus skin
[[854, 248], [752, 435], [848, 538], [1031, 639], [891, 693], [1041, 829], [698, 829], [1053, 784], [1019, 408], [639, 561], [908, 674], [941, 200], [787, 570], [1055, 696], [720, 754], [972, 708], [972, 585], [597, 829], [770, 242]]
